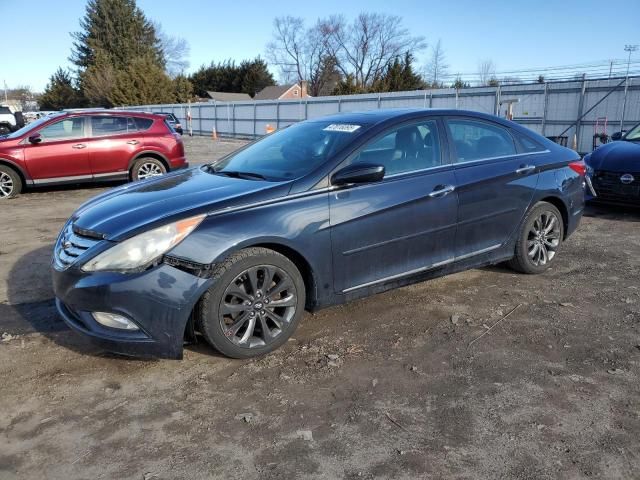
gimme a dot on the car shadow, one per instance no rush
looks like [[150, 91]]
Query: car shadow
[[72, 186], [626, 213], [31, 309]]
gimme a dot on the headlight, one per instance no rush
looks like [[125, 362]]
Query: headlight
[[144, 248]]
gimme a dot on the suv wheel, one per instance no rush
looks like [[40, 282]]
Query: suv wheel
[[540, 237], [10, 183], [255, 304], [147, 167], [5, 129]]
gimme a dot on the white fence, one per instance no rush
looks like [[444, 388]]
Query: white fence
[[548, 108]]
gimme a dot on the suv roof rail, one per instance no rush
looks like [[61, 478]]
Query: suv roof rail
[[95, 109]]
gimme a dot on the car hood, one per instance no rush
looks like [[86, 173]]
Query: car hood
[[620, 157], [129, 209]]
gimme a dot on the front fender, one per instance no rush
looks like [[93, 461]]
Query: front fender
[[299, 224]]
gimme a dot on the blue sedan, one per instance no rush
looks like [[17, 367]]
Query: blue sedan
[[613, 170], [317, 214]]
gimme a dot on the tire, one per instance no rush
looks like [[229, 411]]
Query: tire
[[10, 183], [536, 250], [5, 129], [147, 167], [233, 316]]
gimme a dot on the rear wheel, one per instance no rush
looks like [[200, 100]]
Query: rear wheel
[[255, 304], [147, 167], [10, 183], [540, 238]]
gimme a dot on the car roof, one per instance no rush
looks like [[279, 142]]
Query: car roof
[[387, 114], [107, 113]]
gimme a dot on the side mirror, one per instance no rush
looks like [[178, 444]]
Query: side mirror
[[617, 135], [36, 138], [358, 173]]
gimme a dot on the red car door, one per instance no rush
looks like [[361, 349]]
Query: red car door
[[114, 141], [61, 154]]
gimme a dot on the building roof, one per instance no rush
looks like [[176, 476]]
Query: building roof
[[229, 97], [274, 92]]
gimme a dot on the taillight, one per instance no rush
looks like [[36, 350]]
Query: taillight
[[579, 167]]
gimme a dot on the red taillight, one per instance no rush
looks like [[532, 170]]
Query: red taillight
[[579, 167]]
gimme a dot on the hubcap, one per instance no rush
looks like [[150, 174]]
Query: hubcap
[[148, 170], [6, 185], [258, 306], [544, 238]]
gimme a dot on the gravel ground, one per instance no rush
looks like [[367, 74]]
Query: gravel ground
[[399, 385]]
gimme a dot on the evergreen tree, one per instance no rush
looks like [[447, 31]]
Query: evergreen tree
[[250, 77], [347, 86], [399, 77], [60, 92], [183, 89], [254, 76], [119, 30], [142, 82]]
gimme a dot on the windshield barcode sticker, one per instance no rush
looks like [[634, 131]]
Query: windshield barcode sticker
[[341, 127]]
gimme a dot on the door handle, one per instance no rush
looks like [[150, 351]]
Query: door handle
[[79, 145], [442, 190], [525, 169], [133, 142]]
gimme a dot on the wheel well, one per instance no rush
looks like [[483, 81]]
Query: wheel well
[[152, 155], [15, 169], [302, 265], [559, 204]]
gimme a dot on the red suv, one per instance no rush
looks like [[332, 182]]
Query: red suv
[[86, 146]]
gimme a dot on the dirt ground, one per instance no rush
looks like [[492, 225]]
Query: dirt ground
[[387, 387]]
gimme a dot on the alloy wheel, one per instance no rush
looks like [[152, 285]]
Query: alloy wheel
[[258, 306], [6, 185], [544, 238], [148, 170]]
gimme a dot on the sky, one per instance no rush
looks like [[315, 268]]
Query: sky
[[514, 34]]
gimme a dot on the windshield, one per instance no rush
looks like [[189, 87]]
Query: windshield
[[292, 152], [30, 126], [634, 133]]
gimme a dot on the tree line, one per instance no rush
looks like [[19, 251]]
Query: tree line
[[121, 57]]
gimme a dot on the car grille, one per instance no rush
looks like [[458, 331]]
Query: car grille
[[608, 185], [70, 246]]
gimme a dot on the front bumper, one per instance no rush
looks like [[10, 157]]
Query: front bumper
[[159, 300]]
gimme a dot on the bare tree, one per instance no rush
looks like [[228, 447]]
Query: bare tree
[[365, 48], [437, 67], [486, 72], [300, 53], [175, 51]]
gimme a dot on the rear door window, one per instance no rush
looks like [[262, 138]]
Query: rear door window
[[68, 128], [102, 126], [477, 140]]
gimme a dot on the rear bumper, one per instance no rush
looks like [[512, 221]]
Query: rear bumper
[[159, 301], [179, 164]]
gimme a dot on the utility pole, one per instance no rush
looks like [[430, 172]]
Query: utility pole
[[630, 49], [5, 92]]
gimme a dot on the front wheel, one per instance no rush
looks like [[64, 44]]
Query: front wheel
[[539, 239], [10, 182], [255, 304]]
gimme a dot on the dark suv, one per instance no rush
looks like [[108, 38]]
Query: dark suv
[[86, 146]]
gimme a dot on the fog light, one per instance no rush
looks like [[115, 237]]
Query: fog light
[[114, 321]]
